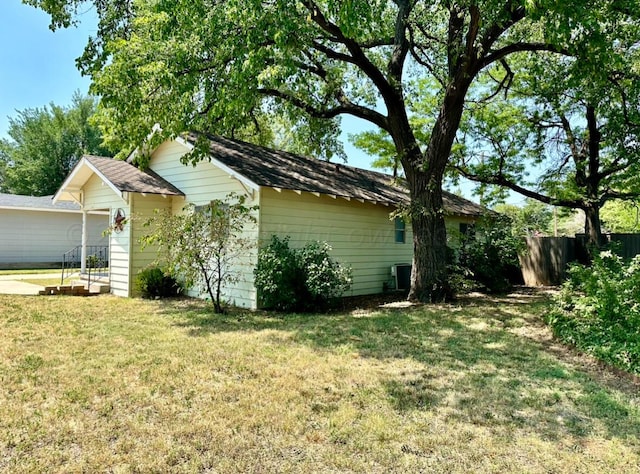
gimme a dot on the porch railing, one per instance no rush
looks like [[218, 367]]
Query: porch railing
[[97, 263]]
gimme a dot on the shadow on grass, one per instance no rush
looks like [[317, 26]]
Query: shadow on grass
[[476, 363]]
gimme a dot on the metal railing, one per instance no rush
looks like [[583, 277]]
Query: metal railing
[[97, 263]]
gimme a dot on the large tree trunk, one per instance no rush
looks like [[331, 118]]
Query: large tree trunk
[[592, 227], [429, 279]]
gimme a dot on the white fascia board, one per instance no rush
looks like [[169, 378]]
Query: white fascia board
[[67, 181], [105, 180], [48, 209], [231, 172], [82, 163]]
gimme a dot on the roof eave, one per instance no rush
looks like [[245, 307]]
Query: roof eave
[[66, 190]]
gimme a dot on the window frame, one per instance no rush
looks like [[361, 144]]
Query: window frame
[[399, 230]]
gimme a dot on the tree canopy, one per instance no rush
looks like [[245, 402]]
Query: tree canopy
[[570, 123], [214, 66], [45, 144]]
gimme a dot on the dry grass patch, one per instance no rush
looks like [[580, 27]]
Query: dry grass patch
[[124, 385]]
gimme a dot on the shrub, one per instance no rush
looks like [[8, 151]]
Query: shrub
[[598, 310], [325, 280], [278, 277], [204, 246], [299, 280], [488, 259], [152, 282]]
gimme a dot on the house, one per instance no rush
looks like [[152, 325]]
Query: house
[[303, 198], [36, 233]]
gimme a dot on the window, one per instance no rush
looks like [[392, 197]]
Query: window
[[467, 231], [400, 230]]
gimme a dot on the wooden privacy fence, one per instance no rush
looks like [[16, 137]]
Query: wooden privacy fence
[[546, 260]]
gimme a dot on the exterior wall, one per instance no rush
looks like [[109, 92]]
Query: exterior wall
[[99, 196], [40, 238], [453, 228], [142, 207], [361, 234], [202, 184]]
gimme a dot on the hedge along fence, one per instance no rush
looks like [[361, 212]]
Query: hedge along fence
[[547, 258]]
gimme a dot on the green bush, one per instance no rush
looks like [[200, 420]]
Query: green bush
[[152, 282], [487, 260], [598, 310], [307, 279]]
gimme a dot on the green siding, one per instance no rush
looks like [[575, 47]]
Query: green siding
[[360, 234]]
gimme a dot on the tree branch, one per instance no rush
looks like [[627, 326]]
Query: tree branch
[[517, 48], [503, 84], [501, 180], [593, 143], [400, 43], [609, 194], [346, 107], [358, 57]]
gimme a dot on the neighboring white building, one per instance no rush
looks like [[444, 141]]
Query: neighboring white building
[[35, 233], [299, 197]]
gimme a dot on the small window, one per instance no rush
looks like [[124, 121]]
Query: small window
[[204, 209], [400, 230], [467, 231]]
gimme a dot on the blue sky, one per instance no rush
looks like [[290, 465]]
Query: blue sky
[[37, 66]]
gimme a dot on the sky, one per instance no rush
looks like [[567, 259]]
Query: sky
[[37, 67]]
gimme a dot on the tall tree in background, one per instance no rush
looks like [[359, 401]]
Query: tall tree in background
[[212, 66], [567, 134], [45, 144]]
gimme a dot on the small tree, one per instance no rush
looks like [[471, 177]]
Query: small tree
[[203, 244]]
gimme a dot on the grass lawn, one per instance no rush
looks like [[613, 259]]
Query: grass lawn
[[125, 385]]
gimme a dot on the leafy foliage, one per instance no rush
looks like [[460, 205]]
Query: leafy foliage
[[621, 216], [534, 218], [305, 279], [45, 144], [203, 246], [488, 259], [563, 135], [153, 282], [598, 310]]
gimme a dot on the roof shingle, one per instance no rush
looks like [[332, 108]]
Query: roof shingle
[[127, 178], [35, 203], [278, 169]]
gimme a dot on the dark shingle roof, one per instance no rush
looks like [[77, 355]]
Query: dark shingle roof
[[35, 203], [127, 178], [278, 169]]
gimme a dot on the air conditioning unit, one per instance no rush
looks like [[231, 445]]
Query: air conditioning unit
[[401, 273]]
